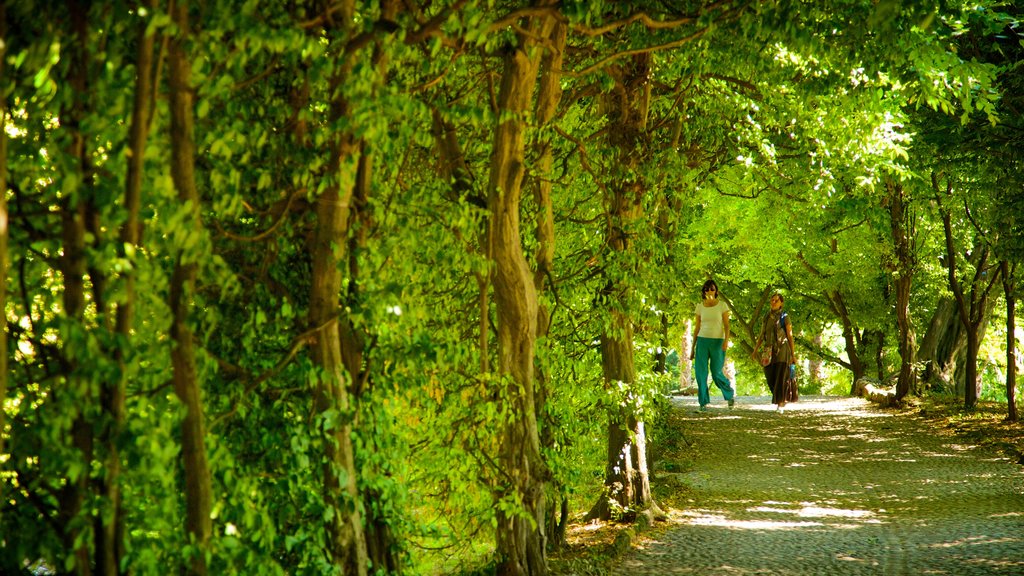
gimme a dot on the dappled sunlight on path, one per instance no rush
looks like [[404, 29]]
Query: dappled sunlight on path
[[834, 486]]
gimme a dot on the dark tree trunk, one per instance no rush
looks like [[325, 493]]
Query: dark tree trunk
[[857, 367], [904, 265], [110, 529], [198, 482], [973, 305], [383, 549], [4, 264], [1009, 291], [76, 392]]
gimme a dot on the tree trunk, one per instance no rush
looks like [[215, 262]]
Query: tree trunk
[[904, 265], [77, 392], [685, 365], [972, 380], [3, 240], [972, 307], [627, 480], [110, 530], [857, 367], [1009, 273], [942, 348], [520, 537], [816, 368], [198, 484], [548, 96]]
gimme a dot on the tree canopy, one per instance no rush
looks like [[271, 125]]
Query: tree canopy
[[388, 287]]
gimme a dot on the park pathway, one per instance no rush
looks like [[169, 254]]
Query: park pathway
[[834, 487]]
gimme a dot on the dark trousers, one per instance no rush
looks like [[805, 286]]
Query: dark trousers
[[777, 375]]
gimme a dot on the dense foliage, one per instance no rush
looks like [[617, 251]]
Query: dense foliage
[[390, 287]]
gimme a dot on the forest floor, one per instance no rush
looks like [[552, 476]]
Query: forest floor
[[834, 486]]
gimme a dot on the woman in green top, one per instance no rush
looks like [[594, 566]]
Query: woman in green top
[[777, 332]]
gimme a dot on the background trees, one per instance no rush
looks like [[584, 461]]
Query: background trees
[[327, 288]]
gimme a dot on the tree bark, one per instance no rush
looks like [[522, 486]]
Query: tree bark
[[1009, 291], [904, 265], [942, 348], [331, 354], [520, 536], [838, 304], [77, 393], [198, 483], [548, 97], [110, 529], [3, 238], [972, 307], [686, 366], [627, 480]]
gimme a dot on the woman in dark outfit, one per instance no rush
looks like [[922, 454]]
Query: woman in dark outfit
[[777, 332]]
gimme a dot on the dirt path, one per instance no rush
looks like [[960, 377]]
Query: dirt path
[[835, 487]]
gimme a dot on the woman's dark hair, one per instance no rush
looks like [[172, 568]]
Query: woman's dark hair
[[708, 286], [781, 297]]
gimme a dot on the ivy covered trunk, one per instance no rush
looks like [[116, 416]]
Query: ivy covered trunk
[[346, 544], [521, 522], [626, 476], [198, 484]]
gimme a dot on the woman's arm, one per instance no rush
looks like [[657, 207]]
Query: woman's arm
[[789, 336]]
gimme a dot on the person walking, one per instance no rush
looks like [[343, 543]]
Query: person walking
[[710, 342], [777, 333]]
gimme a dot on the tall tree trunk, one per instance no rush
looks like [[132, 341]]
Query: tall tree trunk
[[548, 97], [347, 544], [347, 540], [3, 237], [1009, 291], [838, 304], [73, 493], [334, 348], [198, 483], [904, 265], [520, 537], [973, 306], [626, 476], [110, 526], [453, 168]]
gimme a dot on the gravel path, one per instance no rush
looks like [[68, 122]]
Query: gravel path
[[835, 487]]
